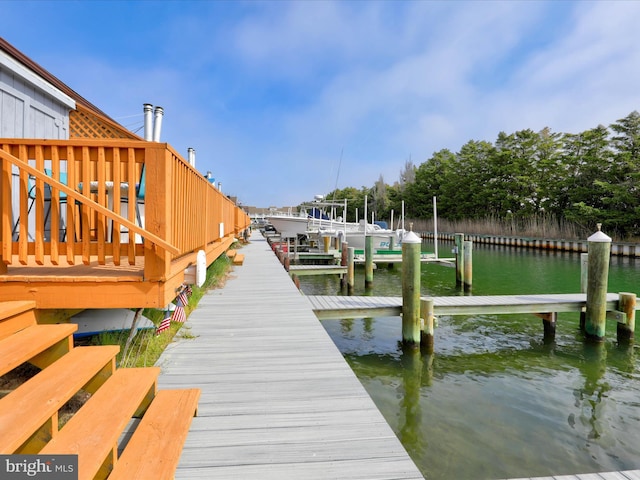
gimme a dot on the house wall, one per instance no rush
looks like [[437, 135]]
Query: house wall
[[29, 106], [27, 113]]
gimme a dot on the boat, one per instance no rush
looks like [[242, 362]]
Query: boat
[[383, 238], [318, 219], [312, 217], [96, 321]]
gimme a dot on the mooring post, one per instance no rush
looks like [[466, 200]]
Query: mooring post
[[326, 243], [597, 280], [459, 251], [351, 253], [411, 289], [343, 263], [343, 252], [426, 337], [468, 265], [627, 305], [368, 261], [584, 269]]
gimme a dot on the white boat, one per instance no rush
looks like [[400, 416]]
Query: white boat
[[312, 217], [383, 238]]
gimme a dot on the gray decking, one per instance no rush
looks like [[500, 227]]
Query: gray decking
[[335, 306], [278, 400]]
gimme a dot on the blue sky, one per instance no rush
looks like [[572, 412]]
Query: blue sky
[[273, 94]]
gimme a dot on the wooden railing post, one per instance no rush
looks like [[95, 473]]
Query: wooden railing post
[[157, 261]]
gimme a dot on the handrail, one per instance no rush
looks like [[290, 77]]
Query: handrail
[[75, 195]]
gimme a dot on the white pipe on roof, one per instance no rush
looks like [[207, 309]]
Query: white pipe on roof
[[191, 156], [157, 123], [148, 121]]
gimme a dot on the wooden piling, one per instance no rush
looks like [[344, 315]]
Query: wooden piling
[[549, 325], [343, 252], [343, 263], [468, 265], [627, 305], [584, 269], [351, 253], [597, 280], [326, 243], [459, 251], [426, 336], [368, 261], [411, 289]]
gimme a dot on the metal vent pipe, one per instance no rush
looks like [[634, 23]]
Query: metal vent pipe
[[157, 123], [148, 121], [191, 156]]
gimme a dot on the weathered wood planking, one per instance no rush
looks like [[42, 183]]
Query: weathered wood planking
[[335, 306], [301, 270], [278, 399]]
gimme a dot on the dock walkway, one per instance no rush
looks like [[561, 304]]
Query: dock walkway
[[278, 399], [336, 306]]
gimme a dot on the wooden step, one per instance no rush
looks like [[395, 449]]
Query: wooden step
[[93, 432], [29, 414], [156, 445], [238, 259], [14, 316], [39, 344], [231, 253]]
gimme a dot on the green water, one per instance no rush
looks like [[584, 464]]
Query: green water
[[493, 400]]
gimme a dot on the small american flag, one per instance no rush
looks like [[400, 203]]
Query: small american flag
[[165, 324], [188, 290], [183, 300], [179, 315]]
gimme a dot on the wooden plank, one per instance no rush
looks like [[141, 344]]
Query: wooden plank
[[16, 316], [25, 410], [93, 432], [159, 436], [301, 270], [33, 341]]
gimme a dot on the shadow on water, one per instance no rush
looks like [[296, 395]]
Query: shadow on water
[[495, 400]]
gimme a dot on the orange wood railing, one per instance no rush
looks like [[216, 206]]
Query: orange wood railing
[[44, 189]]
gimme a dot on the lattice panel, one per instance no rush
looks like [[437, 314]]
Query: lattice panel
[[84, 124]]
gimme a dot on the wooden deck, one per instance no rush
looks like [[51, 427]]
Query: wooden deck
[[278, 399], [334, 307]]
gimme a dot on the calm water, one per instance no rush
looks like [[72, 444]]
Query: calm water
[[493, 401]]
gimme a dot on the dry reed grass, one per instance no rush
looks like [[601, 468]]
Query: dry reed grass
[[533, 227]]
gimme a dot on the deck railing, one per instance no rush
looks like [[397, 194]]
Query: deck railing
[[81, 201]]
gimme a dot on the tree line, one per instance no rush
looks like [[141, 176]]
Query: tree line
[[584, 178]]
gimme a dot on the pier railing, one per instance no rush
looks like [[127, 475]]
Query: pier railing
[[82, 201]]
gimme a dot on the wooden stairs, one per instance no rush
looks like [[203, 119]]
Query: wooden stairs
[[98, 431], [235, 257]]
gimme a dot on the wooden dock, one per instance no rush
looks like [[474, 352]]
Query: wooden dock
[[335, 306], [302, 270], [278, 399]]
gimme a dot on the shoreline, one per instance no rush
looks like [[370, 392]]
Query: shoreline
[[624, 249]]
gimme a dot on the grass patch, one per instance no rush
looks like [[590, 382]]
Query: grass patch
[[146, 347]]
